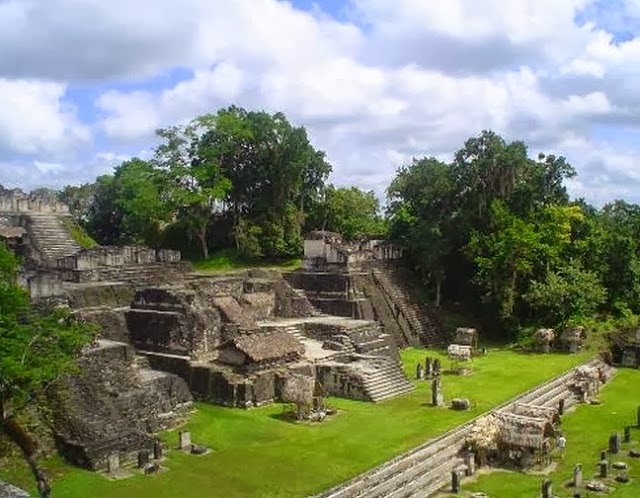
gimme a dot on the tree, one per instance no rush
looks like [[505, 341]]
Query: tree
[[350, 211], [142, 200], [275, 175], [514, 251], [424, 212], [105, 216], [196, 183], [35, 350], [566, 293], [79, 199]]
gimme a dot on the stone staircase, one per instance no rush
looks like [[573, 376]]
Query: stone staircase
[[369, 340], [50, 237], [386, 381], [295, 331], [426, 469], [424, 326]]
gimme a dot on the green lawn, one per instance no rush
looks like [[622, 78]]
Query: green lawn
[[587, 430], [228, 260], [257, 454]]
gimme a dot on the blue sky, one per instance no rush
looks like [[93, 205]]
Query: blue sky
[[84, 85]]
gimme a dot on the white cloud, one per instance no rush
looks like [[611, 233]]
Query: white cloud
[[37, 120], [393, 80]]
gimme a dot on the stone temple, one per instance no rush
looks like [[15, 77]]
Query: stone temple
[[170, 335]]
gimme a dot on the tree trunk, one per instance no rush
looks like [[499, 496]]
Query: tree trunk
[[438, 293], [202, 235], [29, 448]]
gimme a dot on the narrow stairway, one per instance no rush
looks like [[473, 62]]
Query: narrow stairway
[[386, 381], [50, 237]]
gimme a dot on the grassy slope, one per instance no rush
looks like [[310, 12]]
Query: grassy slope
[[587, 430], [79, 234], [257, 454], [227, 259]]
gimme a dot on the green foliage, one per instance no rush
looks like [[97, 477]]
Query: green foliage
[[251, 172], [567, 293], [230, 259], [79, 198], [79, 234], [484, 227], [585, 429], [350, 211], [35, 348]]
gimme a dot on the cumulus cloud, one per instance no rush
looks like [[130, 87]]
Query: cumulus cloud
[[37, 120], [382, 83]]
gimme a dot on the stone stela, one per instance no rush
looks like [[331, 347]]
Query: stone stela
[[437, 398], [547, 488], [614, 443], [577, 476], [184, 442]]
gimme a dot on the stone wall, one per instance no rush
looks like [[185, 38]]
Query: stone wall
[[331, 254], [17, 201], [342, 381], [113, 405], [175, 321], [88, 259], [222, 384]]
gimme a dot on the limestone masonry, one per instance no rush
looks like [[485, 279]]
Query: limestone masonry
[[170, 335]]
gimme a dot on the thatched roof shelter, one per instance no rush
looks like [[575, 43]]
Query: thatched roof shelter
[[484, 434], [466, 336], [12, 232], [544, 336], [626, 338], [572, 338], [523, 432], [625, 346], [535, 411], [261, 348], [459, 352]]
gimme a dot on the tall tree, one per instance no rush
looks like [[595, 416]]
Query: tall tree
[[196, 183], [350, 211], [36, 348], [142, 199], [423, 210], [274, 175]]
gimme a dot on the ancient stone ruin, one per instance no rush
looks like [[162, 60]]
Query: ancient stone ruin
[[364, 281], [543, 340], [625, 347], [170, 335], [114, 405]]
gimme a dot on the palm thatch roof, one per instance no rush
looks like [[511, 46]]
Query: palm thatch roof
[[573, 335], [535, 411], [459, 352], [261, 347], [521, 431], [585, 373], [465, 336], [544, 336], [11, 232], [484, 434]]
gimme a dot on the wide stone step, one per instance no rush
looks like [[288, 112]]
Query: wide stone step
[[403, 471], [438, 481], [433, 480]]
